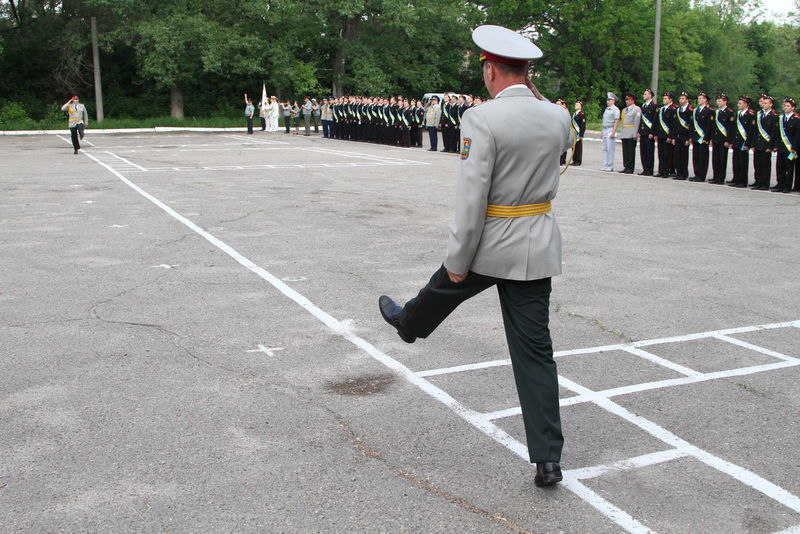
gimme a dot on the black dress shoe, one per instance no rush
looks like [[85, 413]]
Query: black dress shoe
[[786, 191], [761, 188], [776, 189], [432, 150], [729, 182], [547, 474], [391, 314], [678, 177]]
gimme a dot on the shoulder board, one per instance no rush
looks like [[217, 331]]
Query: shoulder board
[[750, 111], [691, 108], [796, 115], [674, 106], [772, 112]]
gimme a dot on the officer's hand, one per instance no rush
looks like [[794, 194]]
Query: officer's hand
[[650, 136], [456, 278], [686, 143], [727, 145]]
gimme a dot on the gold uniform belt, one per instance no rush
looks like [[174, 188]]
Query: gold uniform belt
[[528, 210]]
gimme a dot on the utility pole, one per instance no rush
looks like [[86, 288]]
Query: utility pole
[[656, 50], [98, 86]]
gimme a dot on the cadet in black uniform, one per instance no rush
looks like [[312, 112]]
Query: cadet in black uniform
[[664, 132], [764, 142], [724, 124], [647, 140], [741, 140], [703, 122], [683, 136], [579, 129], [788, 141]]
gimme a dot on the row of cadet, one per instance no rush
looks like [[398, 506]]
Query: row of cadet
[[392, 121], [671, 129]]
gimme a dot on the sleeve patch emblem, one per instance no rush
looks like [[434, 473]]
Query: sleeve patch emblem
[[465, 148]]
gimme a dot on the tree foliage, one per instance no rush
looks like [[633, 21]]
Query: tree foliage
[[206, 53]]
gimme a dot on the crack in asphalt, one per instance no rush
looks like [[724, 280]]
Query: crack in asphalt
[[422, 483]]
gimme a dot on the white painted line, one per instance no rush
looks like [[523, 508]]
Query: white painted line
[[359, 155], [269, 351], [623, 465], [661, 361], [617, 515], [742, 371], [500, 414], [791, 530], [126, 161], [472, 417], [461, 368], [741, 474], [255, 141], [629, 348], [691, 337], [755, 348]]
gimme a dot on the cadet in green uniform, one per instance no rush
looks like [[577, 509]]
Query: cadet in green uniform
[[504, 234]]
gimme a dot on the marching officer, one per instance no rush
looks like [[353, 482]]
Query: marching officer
[[647, 139], [504, 234], [724, 119], [764, 142], [682, 137], [788, 141], [664, 132], [741, 141]]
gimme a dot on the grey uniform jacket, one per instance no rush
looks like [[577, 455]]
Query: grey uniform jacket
[[510, 157], [629, 124]]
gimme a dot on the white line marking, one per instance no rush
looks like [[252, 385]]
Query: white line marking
[[126, 161], [89, 202], [118, 226], [269, 351], [359, 155], [164, 266], [661, 361], [511, 412], [461, 368], [634, 345], [623, 465], [619, 516], [755, 348], [741, 474], [255, 141], [87, 142], [742, 371], [474, 418], [791, 530]]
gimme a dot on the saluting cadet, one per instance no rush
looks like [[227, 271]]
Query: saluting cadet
[[788, 141], [504, 234], [664, 132], [724, 125], [432, 120], [703, 122], [683, 137], [741, 140], [764, 143], [647, 141], [77, 118], [610, 122], [579, 127], [629, 129]]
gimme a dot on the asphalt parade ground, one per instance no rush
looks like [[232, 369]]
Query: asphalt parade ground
[[190, 342]]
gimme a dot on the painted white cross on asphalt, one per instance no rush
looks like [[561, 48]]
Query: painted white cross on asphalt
[[268, 351]]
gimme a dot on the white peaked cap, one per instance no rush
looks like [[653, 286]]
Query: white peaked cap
[[500, 41]]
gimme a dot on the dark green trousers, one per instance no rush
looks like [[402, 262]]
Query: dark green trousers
[[526, 316]]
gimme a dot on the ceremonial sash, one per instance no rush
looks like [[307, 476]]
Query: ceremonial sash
[[698, 128], [680, 120], [720, 126], [786, 142], [761, 129], [446, 112], [661, 120], [742, 131], [575, 125], [403, 117], [647, 122]]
